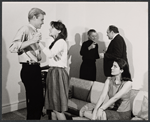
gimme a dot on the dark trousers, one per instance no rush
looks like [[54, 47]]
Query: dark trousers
[[31, 78]]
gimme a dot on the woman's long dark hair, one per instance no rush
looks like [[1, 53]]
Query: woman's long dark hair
[[126, 76], [62, 35]]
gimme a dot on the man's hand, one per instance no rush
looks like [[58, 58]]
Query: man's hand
[[37, 37], [92, 46], [101, 55]]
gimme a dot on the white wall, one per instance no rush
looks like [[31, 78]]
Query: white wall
[[130, 17]]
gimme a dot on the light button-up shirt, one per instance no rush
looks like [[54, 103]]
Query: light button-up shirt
[[30, 53]]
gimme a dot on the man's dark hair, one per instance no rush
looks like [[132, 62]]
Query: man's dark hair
[[90, 31], [113, 28]]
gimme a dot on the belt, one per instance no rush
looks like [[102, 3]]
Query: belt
[[30, 63], [52, 67]]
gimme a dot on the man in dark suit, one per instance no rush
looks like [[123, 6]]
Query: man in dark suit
[[116, 49]]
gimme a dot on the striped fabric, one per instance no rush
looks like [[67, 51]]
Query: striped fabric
[[30, 53], [57, 88]]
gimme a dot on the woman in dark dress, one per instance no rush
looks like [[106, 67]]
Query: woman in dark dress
[[89, 53]]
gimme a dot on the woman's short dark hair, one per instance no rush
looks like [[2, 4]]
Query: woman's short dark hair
[[113, 28], [90, 31], [61, 27], [126, 76]]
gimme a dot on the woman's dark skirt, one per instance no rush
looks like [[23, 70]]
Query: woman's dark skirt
[[57, 88]]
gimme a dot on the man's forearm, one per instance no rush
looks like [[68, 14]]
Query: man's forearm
[[26, 44]]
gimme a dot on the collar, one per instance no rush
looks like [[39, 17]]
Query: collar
[[115, 35], [32, 27], [90, 40]]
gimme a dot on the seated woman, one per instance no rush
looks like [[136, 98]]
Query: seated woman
[[118, 88]]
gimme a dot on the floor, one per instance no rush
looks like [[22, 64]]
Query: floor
[[18, 115], [21, 115]]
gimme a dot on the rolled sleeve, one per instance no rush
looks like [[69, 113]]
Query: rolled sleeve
[[14, 47], [17, 41]]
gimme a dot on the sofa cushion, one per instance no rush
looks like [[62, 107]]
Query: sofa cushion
[[138, 101], [80, 93], [74, 105], [80, 88], [96, 92]]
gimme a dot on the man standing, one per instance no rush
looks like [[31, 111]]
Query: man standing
[[89, 53], [26, 45], [116, 49]]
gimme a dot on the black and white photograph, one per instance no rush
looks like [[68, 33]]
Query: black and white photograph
[[70, 60]]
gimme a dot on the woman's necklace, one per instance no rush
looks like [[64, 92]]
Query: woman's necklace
[[117, 84]]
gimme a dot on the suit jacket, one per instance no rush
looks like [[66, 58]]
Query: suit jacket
[[116, 49]]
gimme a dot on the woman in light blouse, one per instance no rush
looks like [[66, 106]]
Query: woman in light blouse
[[57, 81]]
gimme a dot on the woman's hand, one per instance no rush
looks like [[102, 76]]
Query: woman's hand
[[58, 56], [94, 117], [99, 114]]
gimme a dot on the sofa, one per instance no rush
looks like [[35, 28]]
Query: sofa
[[84, 94]]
